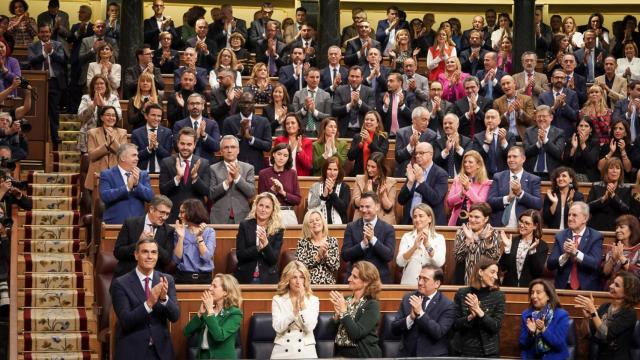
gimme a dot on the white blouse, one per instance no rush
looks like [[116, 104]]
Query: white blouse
[[633, 65], [420, 257]]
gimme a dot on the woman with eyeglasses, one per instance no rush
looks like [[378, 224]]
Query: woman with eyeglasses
[[524, 256]]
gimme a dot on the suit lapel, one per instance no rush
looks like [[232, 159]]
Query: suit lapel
[[136, 285]]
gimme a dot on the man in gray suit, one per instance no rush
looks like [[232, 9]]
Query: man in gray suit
[[408, 137], [543, 144], [351, 102], [312, 103], [91, 44], [414, 83], [231, 185]]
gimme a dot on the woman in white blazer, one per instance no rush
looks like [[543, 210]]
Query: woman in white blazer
[[629, 65], [294, 311], [105, 64]]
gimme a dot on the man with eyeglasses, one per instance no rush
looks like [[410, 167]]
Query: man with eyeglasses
[[207, 131], [257, 32], [152, 225], [563, 102], [144, 55], [231, 185], [425, 317], [158, 23], [358, 48], [426, 183]]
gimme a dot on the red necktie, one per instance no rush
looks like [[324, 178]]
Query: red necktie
[[529, 87], [394, 114], [573, 278], [185, 178], [147, 290]]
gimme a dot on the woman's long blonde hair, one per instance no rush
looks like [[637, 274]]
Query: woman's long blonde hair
[[289, 272], [232, 288], [306, 228], [481, 176], [137, 99], [602, 107], [275, 221]]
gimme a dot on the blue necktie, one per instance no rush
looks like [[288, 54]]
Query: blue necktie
[[489, 92], [493, 166], [506, 215], [542, 160]]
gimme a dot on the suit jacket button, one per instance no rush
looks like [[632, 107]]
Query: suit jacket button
[[287, 340]]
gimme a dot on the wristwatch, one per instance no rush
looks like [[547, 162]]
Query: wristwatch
[[594, 314]]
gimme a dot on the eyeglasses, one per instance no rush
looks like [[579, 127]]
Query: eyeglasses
[[525, 223]]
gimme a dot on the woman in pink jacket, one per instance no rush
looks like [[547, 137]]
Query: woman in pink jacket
[[469, 187]]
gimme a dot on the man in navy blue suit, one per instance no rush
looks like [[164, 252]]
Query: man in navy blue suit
[[563, 102], [124, 188], [253, 132], [207, 130], [154, 141], [426, 183], [513, 191], [425, 317], [202, 76], [387, 28], [292, 75], [493, 143], [333, 75], [369, 238], [490, 77], [577, 252], [48, 55], [144, 300], [374, 74], [356, 52], [574, 81]]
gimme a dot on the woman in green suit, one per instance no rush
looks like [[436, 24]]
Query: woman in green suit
[[356, 317], [219, 318]]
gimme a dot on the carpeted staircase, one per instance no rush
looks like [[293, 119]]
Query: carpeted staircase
[[55, 283]]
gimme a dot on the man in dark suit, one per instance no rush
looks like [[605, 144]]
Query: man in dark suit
[[590, 58], [184, 175], [307, 43], [124, 188], [158, 23], [78, 32], [395, 105], [374, 74], [370, 239], [472, 58], [387, 28], [89, 47], [426, 183], [221, 29], [292, 75], [48, 55], [144, 300], [154, 141], [513, 191], [224, 98], [253, 131], [202, 76], [334, 74], [351, 102], [144, 55], [629, 110], [477, 25], [543, 34], [154, 226], [57, 20], [471, 109], [437, 106], [543, 144], [425, 317], [563, 102], [577, 253], [451, 146], [270, 50], [574, 81], [356, 52], [259, 28], [207, 131], [408, 138], [490, 77], [206, 48]]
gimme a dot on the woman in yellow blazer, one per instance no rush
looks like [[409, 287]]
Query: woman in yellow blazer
[[219, 317], [103, 142]]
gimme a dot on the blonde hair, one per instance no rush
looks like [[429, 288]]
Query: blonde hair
[[602, 107], [275, 221], [234, 60], [368, 272], [254, 72], [481, 176], [289, 272], [429, 211], [306, 228], [153, 98], [232, 288]]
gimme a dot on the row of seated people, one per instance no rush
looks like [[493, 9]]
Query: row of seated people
[[427, 323], [194, 172]]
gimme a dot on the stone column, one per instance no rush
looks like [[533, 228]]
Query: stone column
[[328, 28], [131, 31], [523, 34]]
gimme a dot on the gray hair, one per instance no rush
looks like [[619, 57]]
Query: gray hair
[[528, 53], [453, 116], [470, 79], [161, 200], [5, 115], [195, 94], [124, 148], [230, 137], [419, 111], [583, 207], [544, 108], [226, 72]]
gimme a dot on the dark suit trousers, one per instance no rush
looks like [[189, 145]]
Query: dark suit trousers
[[55, 94]]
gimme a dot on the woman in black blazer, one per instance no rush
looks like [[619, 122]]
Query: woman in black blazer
[[612, 324], [259, 241], [563, 193], [620, 143], [525, 254], [375, 140], [609, 198], [583, 150], [277, 109]]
